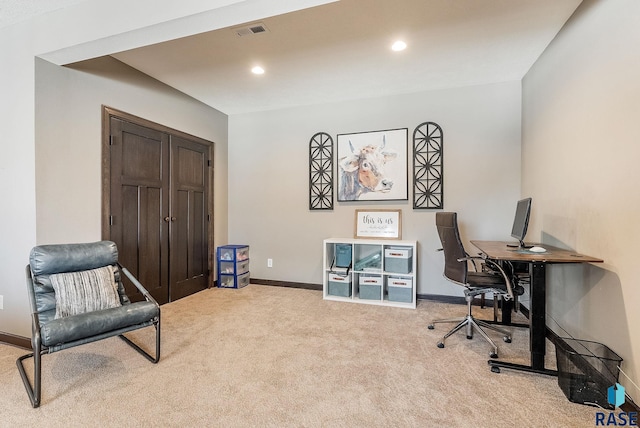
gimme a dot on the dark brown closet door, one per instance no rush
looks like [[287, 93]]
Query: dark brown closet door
[[157, 187], [189, 229], [139, 201]]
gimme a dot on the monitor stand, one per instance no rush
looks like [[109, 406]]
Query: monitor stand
[[521, 246]]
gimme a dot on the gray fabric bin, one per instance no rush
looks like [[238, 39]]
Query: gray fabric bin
[[370, 287], [370, 292], [400, 294], [339, 289], [398, 260], [339, 285], [400, 289]]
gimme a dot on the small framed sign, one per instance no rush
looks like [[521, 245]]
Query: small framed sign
[[378, 224]]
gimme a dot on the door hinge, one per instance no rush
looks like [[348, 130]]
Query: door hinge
[[209, 163], [110, 220], [208, 217], [111, 140]]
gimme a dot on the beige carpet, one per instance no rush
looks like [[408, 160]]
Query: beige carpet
[[277, 357]]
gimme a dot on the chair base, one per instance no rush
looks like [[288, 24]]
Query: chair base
[[471, 324], [34, 391]]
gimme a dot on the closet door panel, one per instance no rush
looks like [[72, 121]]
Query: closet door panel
[[189, 187], [139, 201]]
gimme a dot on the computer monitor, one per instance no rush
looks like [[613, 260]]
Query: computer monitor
[[521, 222]]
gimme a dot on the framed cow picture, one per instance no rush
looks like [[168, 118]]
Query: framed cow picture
[[372, 166]]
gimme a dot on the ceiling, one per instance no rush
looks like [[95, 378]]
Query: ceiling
[[341, 51]]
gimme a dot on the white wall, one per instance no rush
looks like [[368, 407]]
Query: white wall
[[17, 177], [269, 167], [90, 29], [69, 140], [581, 104]]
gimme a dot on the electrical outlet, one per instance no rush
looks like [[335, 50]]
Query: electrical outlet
[[1, 301], [269, 262]]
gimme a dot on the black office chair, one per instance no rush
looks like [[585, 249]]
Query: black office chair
[[492, 279]]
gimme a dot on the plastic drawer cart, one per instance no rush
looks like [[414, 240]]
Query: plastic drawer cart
[[233, 266]]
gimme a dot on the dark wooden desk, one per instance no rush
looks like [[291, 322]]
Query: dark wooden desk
[[499, 251]]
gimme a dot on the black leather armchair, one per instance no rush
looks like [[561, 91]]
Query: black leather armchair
[[51, 332]]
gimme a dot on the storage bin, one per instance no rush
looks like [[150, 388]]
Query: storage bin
[[240, 267], [370, 287], [343, 255], [400, 289], [234, 281], [233, 252], [233, 266], [339, 285], [398, 260], [586, 370], [243, 280], [227, 281]]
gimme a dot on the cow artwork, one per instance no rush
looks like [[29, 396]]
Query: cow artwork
[[363, 171]]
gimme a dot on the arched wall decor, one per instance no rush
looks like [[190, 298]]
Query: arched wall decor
[[428, 167], [321, 172]]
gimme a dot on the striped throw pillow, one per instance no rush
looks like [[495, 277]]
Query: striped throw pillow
[[85, 291]]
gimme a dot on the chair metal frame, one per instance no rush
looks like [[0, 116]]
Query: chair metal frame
[[34, 391]]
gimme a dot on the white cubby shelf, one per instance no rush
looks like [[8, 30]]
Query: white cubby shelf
[[369, 271]]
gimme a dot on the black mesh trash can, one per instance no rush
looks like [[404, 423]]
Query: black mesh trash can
[[586, 370]]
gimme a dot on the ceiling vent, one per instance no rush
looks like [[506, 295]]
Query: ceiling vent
[[251, 29]]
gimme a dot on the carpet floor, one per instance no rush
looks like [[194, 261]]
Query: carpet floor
[[265, 356]]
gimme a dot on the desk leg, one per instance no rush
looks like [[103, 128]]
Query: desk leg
[[538, 329], [537, 333], [507, 308]]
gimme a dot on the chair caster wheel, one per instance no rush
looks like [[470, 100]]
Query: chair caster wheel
[[507, 339], [493, 355], [495, 369], [440, 345], [469, 337], [430, 327]]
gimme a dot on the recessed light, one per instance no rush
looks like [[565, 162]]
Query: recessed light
[[257, 70], [399, 46]]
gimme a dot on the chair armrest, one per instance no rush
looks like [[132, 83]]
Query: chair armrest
[[471, 259], [510, 294], [139, 286]]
